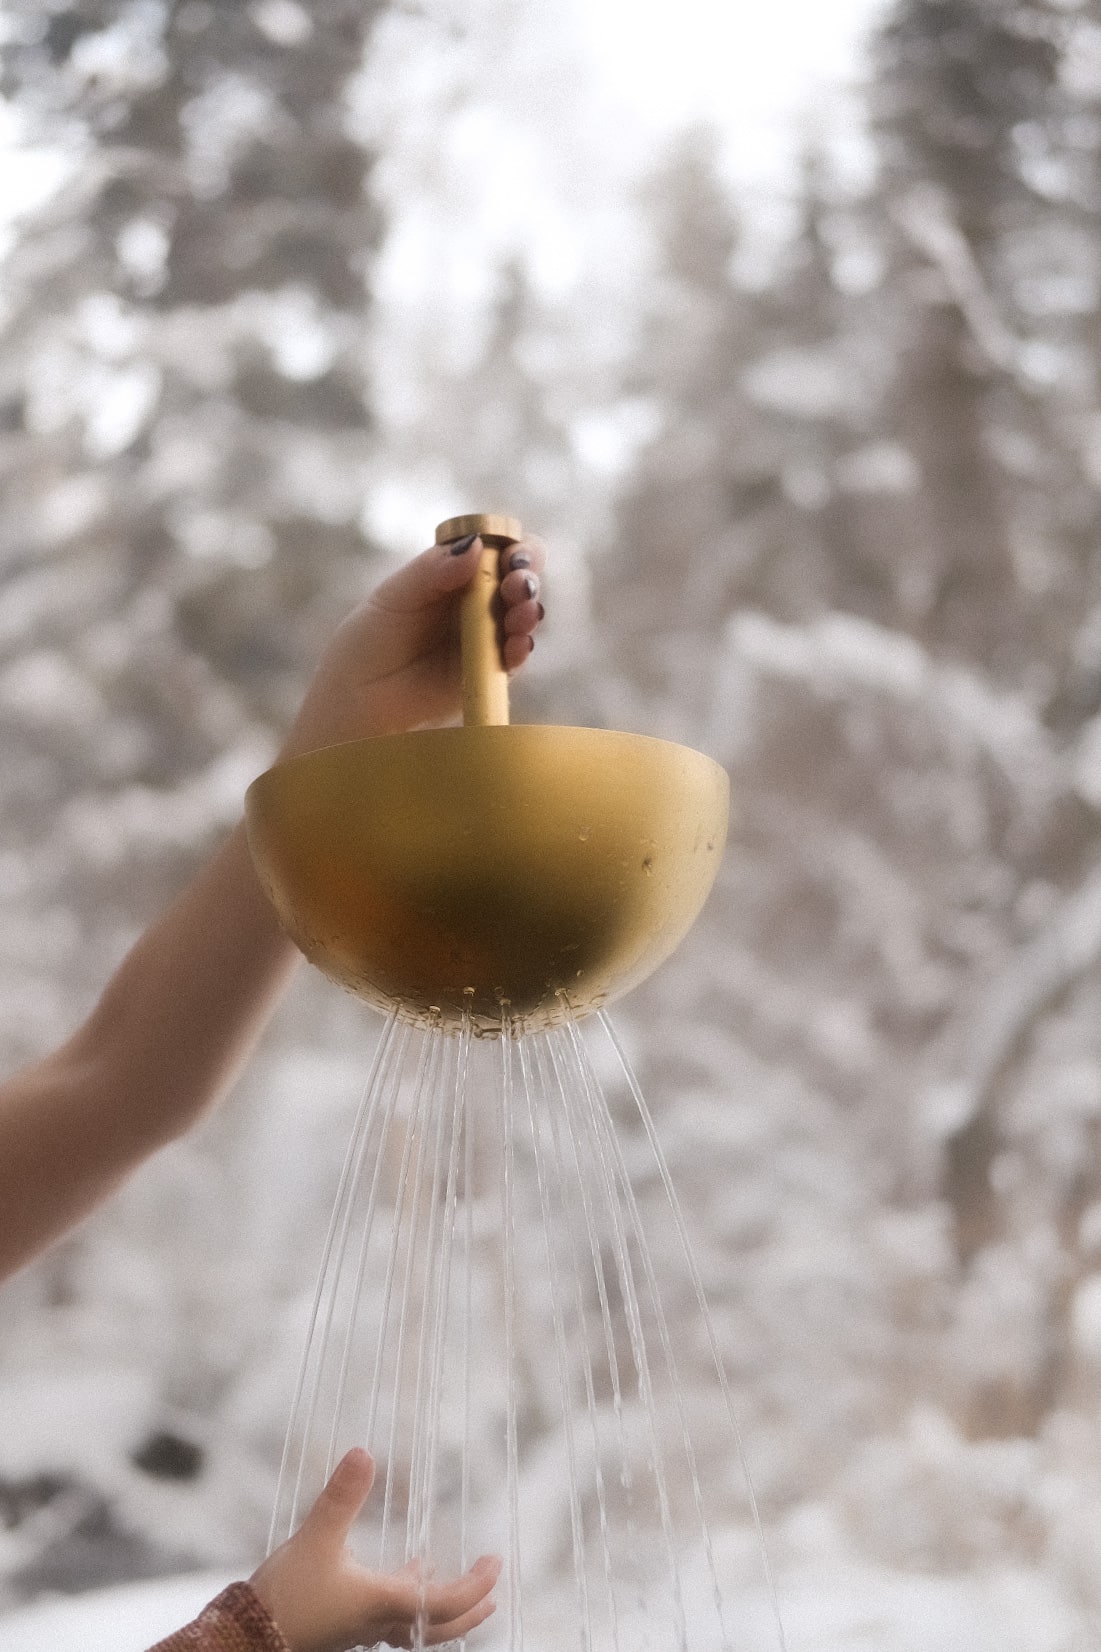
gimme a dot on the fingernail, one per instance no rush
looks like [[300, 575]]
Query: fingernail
[[531, 643], [519, 559], [531, 585], [541, 611], [461, 546]]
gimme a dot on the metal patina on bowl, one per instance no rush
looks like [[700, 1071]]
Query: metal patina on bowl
[[501, 875]]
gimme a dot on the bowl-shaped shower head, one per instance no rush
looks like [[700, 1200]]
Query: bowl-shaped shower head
[[505, 876], [519, 873]]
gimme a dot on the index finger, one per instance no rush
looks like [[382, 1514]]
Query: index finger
[[531, 547]]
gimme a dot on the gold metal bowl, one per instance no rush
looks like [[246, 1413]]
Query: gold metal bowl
[[492, 874], [519, 873]]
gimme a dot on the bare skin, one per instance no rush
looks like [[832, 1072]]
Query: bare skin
[[179, 1017], [324, 1601]]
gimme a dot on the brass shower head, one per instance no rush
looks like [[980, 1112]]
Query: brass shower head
[[505, 875]]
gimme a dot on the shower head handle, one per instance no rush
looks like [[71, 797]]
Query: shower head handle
[[485, 680]]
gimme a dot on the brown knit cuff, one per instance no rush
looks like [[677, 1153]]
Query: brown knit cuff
[[234, 1622]]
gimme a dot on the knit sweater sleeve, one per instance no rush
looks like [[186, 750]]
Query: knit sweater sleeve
[[233, 1622]]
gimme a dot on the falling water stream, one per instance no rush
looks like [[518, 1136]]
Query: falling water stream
[[492, 1322]]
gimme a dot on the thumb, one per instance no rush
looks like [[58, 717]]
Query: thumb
[[342, 1497]]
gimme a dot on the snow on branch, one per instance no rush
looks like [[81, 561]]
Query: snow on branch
[[1038, 973], [839, 655], [925, 218]]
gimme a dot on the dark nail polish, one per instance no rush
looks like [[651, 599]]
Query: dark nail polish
[[461, 546], [531, 585], [519, 559]]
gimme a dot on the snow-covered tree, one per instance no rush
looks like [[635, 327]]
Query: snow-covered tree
[[186, 426]]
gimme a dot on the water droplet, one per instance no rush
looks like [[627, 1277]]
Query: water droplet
[[584, 834], [648, 865]]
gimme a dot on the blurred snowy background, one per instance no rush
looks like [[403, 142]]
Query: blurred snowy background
[[783, 330]]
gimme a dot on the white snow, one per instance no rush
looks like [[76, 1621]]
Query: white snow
[[111, 1620]]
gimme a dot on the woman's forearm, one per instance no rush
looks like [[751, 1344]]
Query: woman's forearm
[[188, 1002], [167, 1038]]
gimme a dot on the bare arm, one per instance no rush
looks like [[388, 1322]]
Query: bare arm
[[165, 1040], [182, 1012]]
